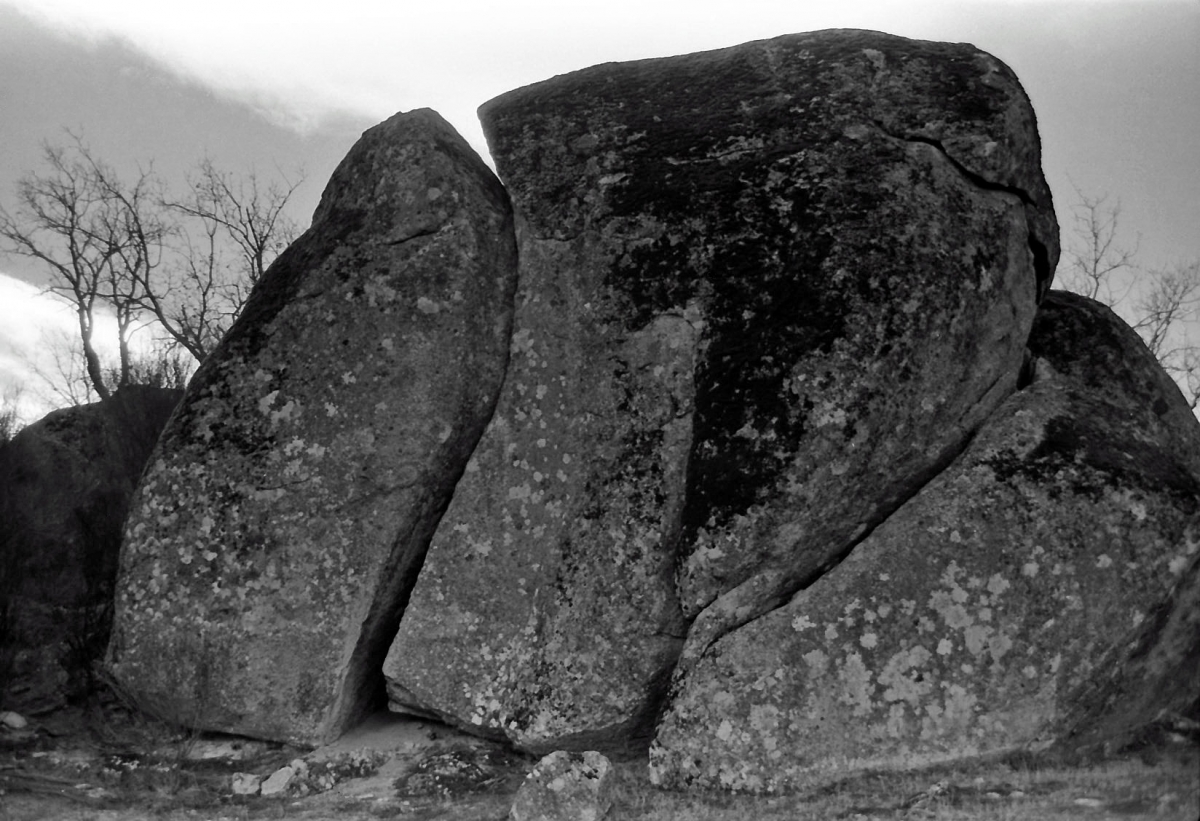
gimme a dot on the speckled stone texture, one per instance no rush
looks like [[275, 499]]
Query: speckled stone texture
[[277, 530], [978, 616], [766, 292], [1153, 672]]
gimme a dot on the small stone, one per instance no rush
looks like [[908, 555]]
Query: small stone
[[278, 781], [566, 786], [13, 721], [245, 783]]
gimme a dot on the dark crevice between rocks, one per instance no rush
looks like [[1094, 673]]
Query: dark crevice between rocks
[[365, 686], [365, 690], [1041, 264], [1028, 372], [791, 588], [975, 178]]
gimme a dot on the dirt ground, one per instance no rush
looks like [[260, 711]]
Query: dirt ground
[[100, 761]]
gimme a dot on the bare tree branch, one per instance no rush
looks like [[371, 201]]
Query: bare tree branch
[[1165, 310], [221, 216], [128, 248], [10, 412], [1095, 254]]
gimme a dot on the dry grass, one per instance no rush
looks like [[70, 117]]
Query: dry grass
[[1127, 788], [113, 765]]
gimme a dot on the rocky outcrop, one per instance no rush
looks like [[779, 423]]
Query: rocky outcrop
[[65, 485], [766, 293], [65, 488], [278, 529], [767, 458], [1040, 563]]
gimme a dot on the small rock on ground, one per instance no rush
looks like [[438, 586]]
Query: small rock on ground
[[13, 721], [566, 786]]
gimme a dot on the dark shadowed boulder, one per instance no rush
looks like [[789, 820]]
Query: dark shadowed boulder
[[66, 482], [1084, 340], [985, 614], [276, 534], [1153, 674], [65, 485], [766, 292]]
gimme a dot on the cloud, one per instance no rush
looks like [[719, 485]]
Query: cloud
[[26, 316], [32, 323], [376, 57]]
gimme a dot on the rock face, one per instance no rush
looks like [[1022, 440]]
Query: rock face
[[1152, 671], [65, 485], [976, 615], [278, 529], [766, 293]]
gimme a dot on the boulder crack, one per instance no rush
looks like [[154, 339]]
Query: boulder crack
[[1041, 254]]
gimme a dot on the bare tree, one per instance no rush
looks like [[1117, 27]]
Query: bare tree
[[77, 221], [221, 217], [1096, 255], [1162, 305], [128, 249], [10, 412], [65, 380]]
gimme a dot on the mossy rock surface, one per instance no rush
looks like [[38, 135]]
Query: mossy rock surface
[[1039, 591], [765, 293]]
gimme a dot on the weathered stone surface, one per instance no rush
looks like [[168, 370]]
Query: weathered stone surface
[[275, 536], [1084, 340], [1152, 672], [971, 620], [1144, 682], [765, 293], [566, 786]]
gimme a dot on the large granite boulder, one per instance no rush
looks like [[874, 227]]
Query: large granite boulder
[[766, 293], [280, 525], [978, 616]]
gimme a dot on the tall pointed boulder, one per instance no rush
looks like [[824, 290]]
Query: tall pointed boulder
[[279, 527]]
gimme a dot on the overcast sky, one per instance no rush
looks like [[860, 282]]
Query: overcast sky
[[268, 85]]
